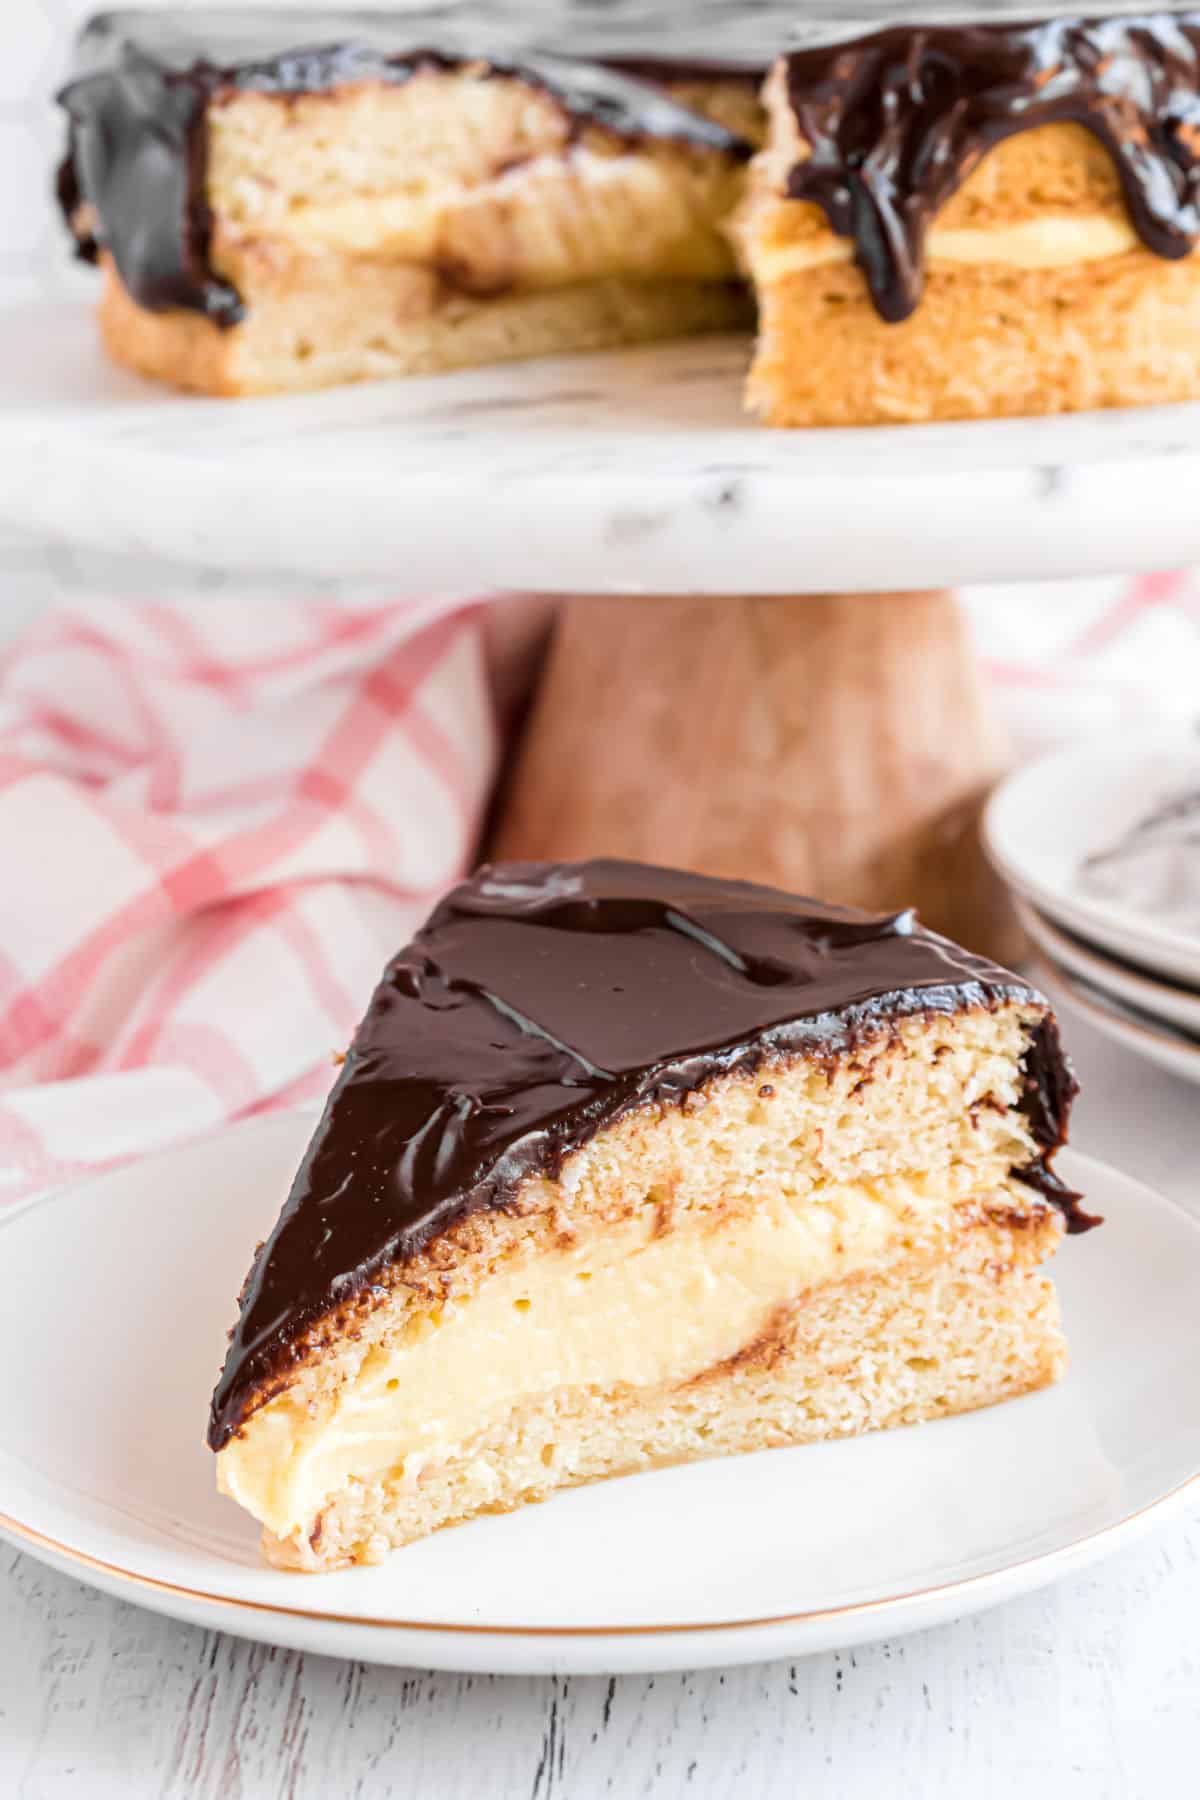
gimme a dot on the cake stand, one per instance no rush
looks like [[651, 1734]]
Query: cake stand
[[725, 688]]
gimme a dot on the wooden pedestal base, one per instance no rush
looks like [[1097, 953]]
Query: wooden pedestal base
[[837, 745]]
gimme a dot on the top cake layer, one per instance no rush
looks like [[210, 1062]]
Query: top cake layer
[[142, 82], [543, 1001], [887, 127]]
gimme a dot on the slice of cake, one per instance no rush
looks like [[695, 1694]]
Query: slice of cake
[[273, 215], [627, 1167], [967, 221]]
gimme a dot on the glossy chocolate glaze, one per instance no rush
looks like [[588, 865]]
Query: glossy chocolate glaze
[[895, 122], [137, 139], [543, 1001]]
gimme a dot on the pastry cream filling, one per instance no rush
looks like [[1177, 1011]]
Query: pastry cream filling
[[554, 218], [629, 1306], [1046, 243]]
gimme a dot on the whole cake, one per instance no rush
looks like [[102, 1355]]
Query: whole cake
[[626, 1167], [947, 221]]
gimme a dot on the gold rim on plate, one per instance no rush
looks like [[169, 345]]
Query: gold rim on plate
[[27, 1534]]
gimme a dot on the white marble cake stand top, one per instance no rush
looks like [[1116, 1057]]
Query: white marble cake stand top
[[620, 472]]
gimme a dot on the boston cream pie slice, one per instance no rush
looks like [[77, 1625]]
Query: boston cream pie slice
[[627, 1167]]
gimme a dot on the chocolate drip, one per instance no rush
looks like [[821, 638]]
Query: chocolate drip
[[895, 122], [136, 157], [1050, 1086], [137, 140], [1048, 1091], [540, 1003]]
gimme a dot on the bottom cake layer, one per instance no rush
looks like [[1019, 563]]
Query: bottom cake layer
[[926, 1336], [986, 341], [387, 319]]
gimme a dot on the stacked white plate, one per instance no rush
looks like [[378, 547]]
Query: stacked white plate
[[1119, 939]]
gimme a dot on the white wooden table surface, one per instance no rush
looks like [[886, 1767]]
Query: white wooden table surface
[[1088, 1691]]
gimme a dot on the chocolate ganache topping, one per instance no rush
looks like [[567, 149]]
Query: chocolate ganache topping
[[896, 121], [134, 177], [543, 1001]]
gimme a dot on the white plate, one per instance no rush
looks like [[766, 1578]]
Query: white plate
[[1161, 1000], [1161, 1044], [117, 1296], [1043, 821]]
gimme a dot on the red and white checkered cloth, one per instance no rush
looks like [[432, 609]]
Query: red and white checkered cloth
[[216, 823], [1070, 657]]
